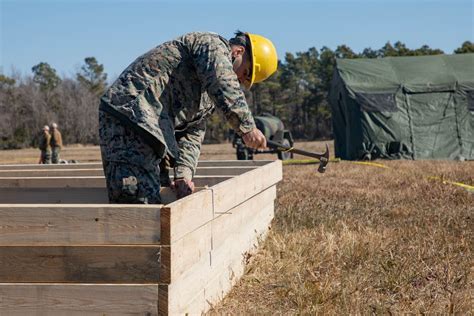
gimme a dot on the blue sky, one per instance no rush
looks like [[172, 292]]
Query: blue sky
[[63, 33]]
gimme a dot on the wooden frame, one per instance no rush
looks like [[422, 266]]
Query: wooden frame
[[176, 258]]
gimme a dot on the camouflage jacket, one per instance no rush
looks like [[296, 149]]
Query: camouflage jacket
[[44, 141], [175, 88]]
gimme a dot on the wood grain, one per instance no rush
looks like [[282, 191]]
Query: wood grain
[[109, 224], [20, 299], [84, 264]]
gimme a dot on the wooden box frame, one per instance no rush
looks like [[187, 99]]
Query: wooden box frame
[[73, 257]]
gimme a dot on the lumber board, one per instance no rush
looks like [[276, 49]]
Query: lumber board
[[184, 253], [186, 215], [219, 199], [227, 194], [205, 284], [229, 262], [53, 182], [54, 195], [235, 232], [202, 171], [234, 163], [83, 165], [87, 181], [224, 279], [67, 195], [50, 224], [98, 165], [84, 264], [223, 170], [236, 219], [198, 244], [52, 172], [52, 299]]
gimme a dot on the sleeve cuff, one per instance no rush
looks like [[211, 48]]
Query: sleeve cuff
[[245, 129], [183, 172]]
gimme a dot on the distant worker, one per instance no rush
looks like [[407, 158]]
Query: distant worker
[[56, 143], [159, 106], [45, 146]]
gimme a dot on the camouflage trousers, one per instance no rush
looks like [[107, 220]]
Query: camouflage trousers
[[131, 166], [55, 154], [45, 157]]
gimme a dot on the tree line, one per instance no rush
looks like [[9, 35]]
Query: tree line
[[296, 93]]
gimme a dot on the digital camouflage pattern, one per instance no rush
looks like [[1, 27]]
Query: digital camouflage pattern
[[167, 94], [45, 147], [56, 145], [44, 142], [131, 166]]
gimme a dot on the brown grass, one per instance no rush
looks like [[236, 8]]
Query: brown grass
[[360, 239]]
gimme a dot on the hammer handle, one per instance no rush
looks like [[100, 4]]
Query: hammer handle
[[281, 147]]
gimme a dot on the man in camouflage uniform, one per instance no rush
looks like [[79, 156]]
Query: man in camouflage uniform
[[159, 105], [56, 143], [45, 146]]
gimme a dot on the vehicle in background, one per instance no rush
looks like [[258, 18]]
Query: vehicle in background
[[273, 129]]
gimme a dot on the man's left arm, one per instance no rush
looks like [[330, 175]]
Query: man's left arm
[[212, 59]]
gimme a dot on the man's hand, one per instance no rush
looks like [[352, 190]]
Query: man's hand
[[255, 139], [182, 187]]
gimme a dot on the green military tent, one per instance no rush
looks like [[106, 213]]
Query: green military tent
[[419, 107]]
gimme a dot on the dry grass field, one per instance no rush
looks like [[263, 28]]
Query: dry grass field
[[356, 240]]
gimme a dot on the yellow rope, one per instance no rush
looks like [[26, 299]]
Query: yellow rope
[[459, 184], [469, 188], [379, 165], [371, 164]]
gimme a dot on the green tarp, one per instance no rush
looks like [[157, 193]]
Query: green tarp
[[418, 107]]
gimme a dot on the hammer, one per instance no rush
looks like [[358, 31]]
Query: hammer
[[323, 157]]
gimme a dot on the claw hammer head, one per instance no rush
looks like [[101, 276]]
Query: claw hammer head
[[323, 160]]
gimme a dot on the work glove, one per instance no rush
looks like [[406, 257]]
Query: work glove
[[182, 187], [255, 139]]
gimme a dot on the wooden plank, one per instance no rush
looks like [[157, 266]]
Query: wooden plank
[[19, 299], [227, 194], [226, 171], [234, 163], [67, 195], [186, 215], [185, 252], [85, 264], [98, 165], [189, 275], [54, 195], [51, 166], [204, 285], [201, 171], [228, 263], [109, 224], [51, 172], [223, 279], [232, 222], [198, 244], [202, 181], [86, 181], [53, 182]]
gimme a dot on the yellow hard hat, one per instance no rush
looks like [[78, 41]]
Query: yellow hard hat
[[264, 58]]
